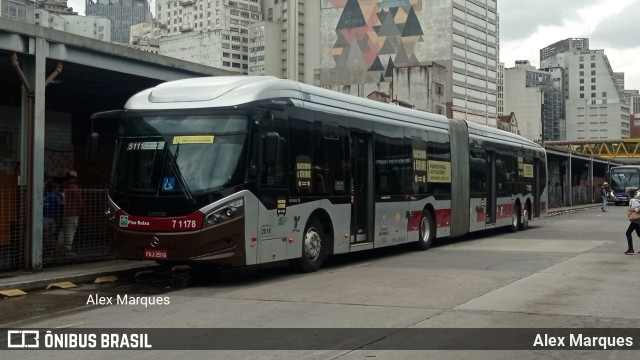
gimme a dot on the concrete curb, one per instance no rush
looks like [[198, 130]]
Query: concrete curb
[[87, 276], [552, 213]]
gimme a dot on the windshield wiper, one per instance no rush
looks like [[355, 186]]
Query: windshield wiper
[[176, 170]]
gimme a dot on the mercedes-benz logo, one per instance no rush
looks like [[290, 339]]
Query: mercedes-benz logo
[[154, 242]]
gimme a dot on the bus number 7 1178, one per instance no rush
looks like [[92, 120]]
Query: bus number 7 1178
[[184, 224]]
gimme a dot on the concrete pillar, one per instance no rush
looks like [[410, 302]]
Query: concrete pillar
[[591, 187], [569, 181], [32, 151]]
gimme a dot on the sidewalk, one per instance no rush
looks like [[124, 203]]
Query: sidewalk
[[75, 273], [89, 272]]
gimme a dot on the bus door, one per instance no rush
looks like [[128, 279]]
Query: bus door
[[361, 190], [491, 189]]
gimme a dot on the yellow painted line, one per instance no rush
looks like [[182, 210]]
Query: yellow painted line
[[61, 285], [104, 279], [12, 292]]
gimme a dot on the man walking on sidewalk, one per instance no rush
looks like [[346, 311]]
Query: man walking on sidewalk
[[604, 191]]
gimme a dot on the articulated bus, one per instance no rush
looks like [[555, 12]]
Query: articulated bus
[[623, 178], [237, 171]]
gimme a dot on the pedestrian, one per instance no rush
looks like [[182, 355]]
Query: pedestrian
[[604, 191], [634, 205], [51, 214], [72, 195]]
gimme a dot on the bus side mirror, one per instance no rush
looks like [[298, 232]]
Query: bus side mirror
[[271, 142], [92, 147]]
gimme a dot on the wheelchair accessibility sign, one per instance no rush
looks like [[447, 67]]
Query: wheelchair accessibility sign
[[168, 184]]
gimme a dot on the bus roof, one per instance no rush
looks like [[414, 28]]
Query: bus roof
[[226, 91]]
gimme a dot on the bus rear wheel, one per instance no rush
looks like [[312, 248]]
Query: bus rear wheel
[[314, 248], [524, 221], [515, 218], [427, 231]]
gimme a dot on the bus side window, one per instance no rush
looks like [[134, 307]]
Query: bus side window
[[274, 134], [478, 170], [438, 149], [417, 181], [392, 160], [329, 156]]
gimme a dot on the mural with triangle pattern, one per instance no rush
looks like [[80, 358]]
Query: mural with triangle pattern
[[377, 35]]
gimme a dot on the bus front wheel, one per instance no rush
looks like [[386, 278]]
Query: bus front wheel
[[427, 231], [314, 248]]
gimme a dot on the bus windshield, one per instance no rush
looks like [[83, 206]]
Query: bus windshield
[[180, 155], [625, 179]]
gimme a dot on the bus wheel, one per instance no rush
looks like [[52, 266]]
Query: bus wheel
[[166, 265], [427, 231], [313, 248], [524, 222], [515, 218]]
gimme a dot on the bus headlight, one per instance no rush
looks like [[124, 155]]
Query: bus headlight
[[225, 213]]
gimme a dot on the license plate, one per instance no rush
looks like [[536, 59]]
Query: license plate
[[155, 253]]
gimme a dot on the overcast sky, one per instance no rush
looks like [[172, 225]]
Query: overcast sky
[[528, 26], [611, 25]]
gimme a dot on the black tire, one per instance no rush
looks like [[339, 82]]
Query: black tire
[[515, 218], [314, 248], [167, 265], [524, 219], [427, 231]]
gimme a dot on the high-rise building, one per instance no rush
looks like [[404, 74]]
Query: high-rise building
[[547, 55], [55, 7], [593, 101], [554, 125], [123, 14], [285, 27], [536, 97], [501, 89], [634, 118], [619, 77], [635, 103], [89, 26], [55, 14], [22, 10], [364, 41], [209, 32], [524, 96]]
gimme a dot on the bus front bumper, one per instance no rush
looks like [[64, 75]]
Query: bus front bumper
[[222, 244]]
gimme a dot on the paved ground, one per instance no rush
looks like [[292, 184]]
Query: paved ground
[[88, 272], [566, 272]]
